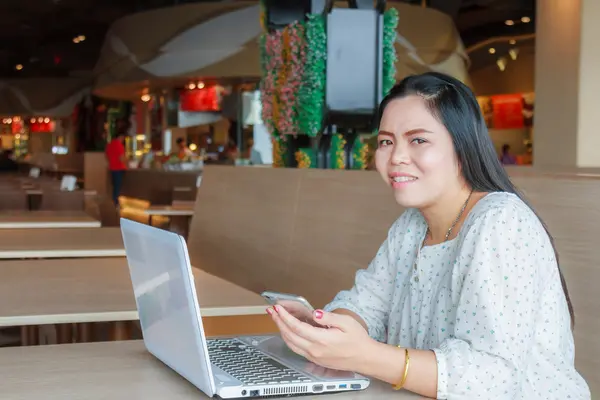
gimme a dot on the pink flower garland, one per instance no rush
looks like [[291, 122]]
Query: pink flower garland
[[271, 64], [283, 68], [295, 56]]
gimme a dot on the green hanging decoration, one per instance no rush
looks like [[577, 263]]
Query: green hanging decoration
[[390, 25], [279, 150], [336, 151], [305, 158], [360, 152], [311, 96]]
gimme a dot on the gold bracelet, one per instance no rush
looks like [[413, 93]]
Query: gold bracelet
[[406, 366]]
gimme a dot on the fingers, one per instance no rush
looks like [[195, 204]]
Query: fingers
[[295, 342], [332, 320], [302, 329], [294, 347]]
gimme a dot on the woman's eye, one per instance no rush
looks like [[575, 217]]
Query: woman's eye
[[418, 141], [385, 142]]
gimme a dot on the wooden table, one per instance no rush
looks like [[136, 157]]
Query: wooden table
[[61, 243], [36, 292], [46, 219], [115, 370], [169, 211], [83, 291]]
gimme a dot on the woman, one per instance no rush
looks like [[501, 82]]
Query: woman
[[464, 299], [506, 157]]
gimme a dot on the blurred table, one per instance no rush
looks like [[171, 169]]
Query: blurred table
[[61, 243], [46, 219]]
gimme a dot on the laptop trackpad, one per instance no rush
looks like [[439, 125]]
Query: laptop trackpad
[[276, 347]]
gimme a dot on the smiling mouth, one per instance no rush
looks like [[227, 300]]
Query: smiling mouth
[[403, 179]]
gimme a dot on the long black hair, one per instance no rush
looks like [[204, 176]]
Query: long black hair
[[453, 104]]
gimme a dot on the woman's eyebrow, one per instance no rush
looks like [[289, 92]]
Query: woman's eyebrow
[[417, 131]]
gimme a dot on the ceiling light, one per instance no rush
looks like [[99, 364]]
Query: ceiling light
[[200, 85], [81, 38], [501, 62], [193, 147], [514, 52], [512, 41], [47, 120], [192, 86], [509, 22], [32, 120], [525, 20], [40, 120], [76, 40], [492, 50], [9, 120], [145, 98], [19, 67]]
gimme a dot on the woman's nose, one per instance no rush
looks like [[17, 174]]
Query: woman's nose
[[400, 155]]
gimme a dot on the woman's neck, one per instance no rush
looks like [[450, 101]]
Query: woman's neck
[[444, 213]]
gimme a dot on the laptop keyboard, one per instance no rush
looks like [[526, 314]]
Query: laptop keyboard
[[249, 365]]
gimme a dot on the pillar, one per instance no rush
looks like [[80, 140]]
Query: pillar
[[567, 84]]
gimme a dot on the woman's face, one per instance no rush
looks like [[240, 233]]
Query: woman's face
[[415, 154]]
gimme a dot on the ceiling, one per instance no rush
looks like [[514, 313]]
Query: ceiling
[[38, 34]]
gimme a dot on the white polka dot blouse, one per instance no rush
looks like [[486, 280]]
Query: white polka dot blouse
[[489, 303]]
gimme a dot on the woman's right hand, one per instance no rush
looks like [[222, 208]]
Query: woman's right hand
[[298, 310]]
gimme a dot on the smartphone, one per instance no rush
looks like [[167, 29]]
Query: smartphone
[[296, 305]]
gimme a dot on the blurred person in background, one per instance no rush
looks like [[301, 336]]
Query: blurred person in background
[[506, 157], [117, 163], [183, 151], [254, 155]]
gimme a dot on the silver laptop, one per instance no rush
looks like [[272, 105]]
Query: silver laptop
[[229, 367]]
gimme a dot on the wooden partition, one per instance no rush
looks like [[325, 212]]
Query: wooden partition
[[12, 199], [308, 231], [157, 186], [292, 230], [571, 209], [57, 200]]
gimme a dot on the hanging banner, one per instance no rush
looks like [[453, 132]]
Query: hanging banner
[[508, 111]]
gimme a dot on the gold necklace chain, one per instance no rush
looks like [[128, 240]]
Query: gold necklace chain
[[462, 210]]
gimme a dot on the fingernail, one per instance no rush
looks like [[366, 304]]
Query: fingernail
[[269, 311], [318, 314], [276, 309]]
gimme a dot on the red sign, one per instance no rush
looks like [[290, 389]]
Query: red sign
[[508, 111], [41, 127], [198, 100], [17, 126]]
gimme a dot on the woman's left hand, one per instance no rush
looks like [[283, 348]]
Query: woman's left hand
[[339, 343]]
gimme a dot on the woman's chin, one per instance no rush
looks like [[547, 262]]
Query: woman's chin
[[406, 199]]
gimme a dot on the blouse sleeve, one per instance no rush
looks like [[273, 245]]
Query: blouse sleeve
[[371, 296], [500, 262]]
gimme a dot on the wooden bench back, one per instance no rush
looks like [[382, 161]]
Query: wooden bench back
[[308, 231], [57, 200], [12, 199], [290, 230]]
